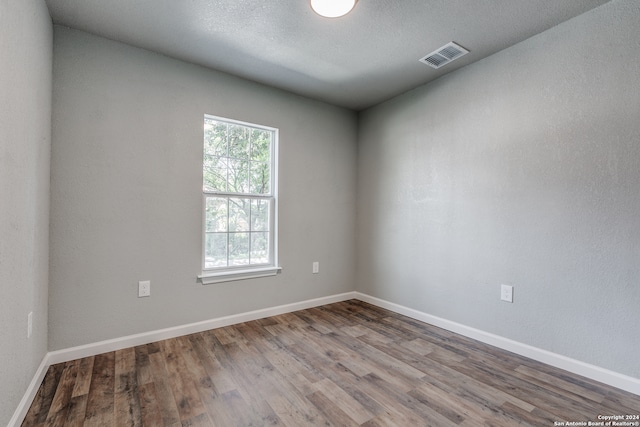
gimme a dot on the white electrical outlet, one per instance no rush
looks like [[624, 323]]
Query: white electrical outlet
[[316, 267], [144, 288], [29, 324], [506, 293]]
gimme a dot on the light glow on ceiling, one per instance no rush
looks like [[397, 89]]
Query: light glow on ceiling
[[332, 8]]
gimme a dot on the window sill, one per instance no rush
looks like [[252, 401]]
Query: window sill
[[209, 278]]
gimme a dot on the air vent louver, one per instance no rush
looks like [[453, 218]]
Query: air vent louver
[[444, 55]]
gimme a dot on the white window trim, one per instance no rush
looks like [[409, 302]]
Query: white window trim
[[209, 276]]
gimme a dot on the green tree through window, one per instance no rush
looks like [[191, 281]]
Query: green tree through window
[[238, 188]]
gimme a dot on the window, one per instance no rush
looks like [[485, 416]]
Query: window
[[239, 184]]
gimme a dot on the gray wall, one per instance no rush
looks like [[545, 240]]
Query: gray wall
[[126, 192], [25, 141], [521, 169]]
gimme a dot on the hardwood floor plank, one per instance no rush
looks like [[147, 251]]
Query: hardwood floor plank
[[549, 381], [329, 316], [537, 417], [545, 399], [359, 331], [39, 409], [408, 406], [222, 381], [126, 401], [416, 328], [226, 336], [200, 363], [244, 414], [473, 394], [83, 379], [163, 392], [77, 410], [344, 364], [436, 370], [293, 414], [622, 401], [349, 405], [143, 365], [403, 376], [218, 411], [201, 420], [337, 373], [260, 381], [59, 409], [150, 412], [153, 347], [445, 404], [334, 413], [191, 362], [282, 335], [182, 383], [100, 401], [323, 322], [292, 371], [235, 361]]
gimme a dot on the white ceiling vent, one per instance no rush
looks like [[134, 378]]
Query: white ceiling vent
[[442, 56]]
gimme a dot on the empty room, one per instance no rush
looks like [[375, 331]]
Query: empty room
[[246, 213]]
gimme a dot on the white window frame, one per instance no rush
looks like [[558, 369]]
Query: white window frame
[[230, 273]]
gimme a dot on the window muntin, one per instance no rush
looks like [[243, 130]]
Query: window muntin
[[239, 183]]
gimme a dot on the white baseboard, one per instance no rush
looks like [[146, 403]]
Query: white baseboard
[[30, 394], [593, 372], [92, 349], [605, 376]]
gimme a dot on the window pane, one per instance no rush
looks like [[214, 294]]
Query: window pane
[[216, 214], [261, 145], [238, 177], [238, 142], [260, 178], [260, 215], [215, 250], [215, 138], [238, 248], [239, 211], [214, 173], [259, 248]]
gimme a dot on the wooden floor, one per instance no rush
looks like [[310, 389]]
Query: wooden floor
[[344, 364]]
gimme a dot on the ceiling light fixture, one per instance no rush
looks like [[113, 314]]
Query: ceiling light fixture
[[332, 8]]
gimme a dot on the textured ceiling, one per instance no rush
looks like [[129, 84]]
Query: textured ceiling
[[355, 61]]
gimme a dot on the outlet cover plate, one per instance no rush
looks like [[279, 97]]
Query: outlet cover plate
[[30, 324], [144, 288], [506, 293]]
